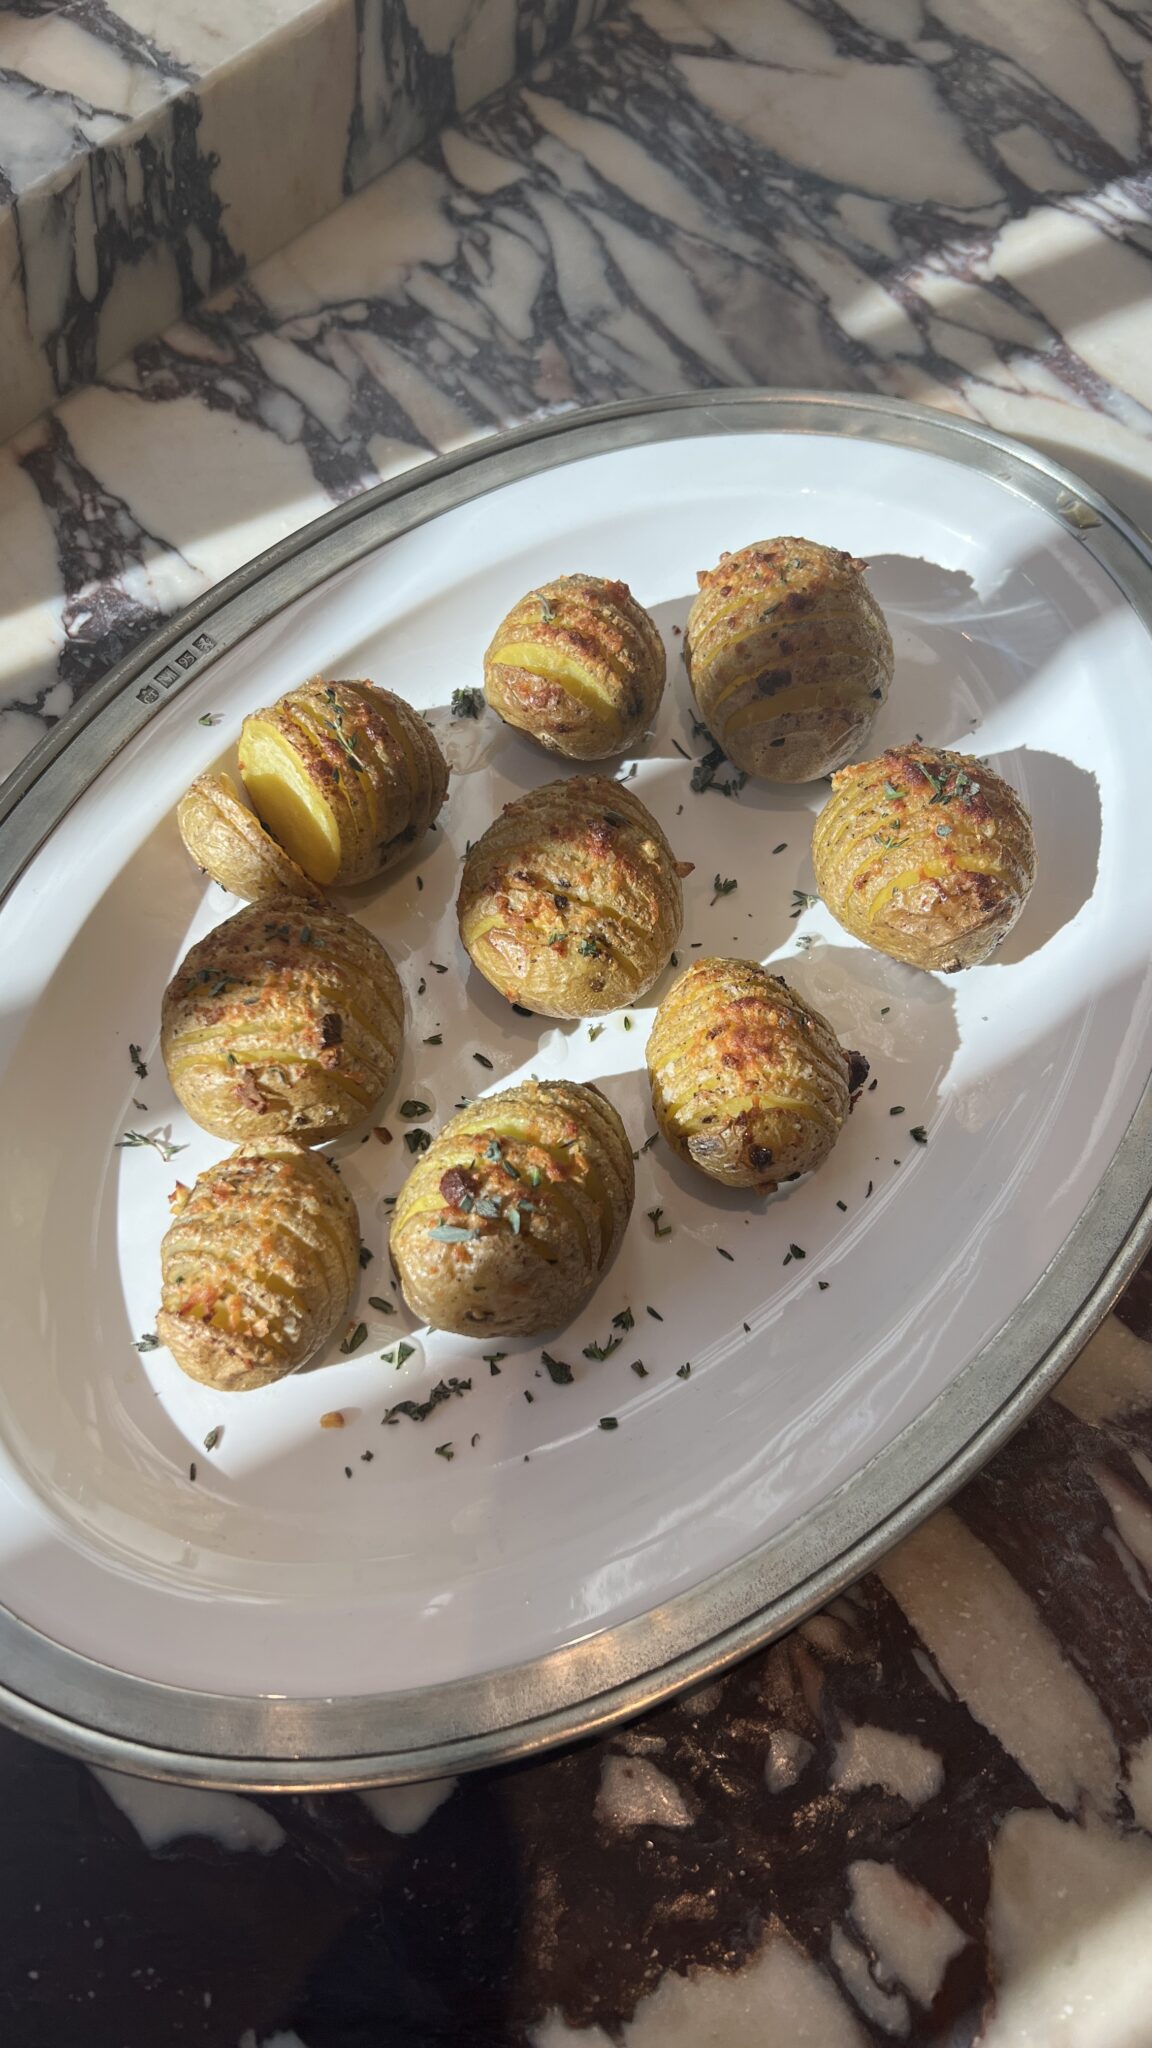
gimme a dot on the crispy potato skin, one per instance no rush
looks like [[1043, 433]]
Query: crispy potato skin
[[749, 1082], [228, 841], [570, 903], [285, 1020], [372, 769], [926, 855], [259, 1265], [789, 656], [540, 1179], [588, 669]]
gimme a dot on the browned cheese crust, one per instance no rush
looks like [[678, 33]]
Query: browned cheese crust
[[259, 1265], [286, 1019], [346, 775], [228, 841], [579, 665], [571, 902], [749, 1082], [789, 656], [926, 855], [507, 1222]]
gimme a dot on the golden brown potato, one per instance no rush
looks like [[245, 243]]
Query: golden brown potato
[[571, 902], [347, 777], [228, 841], [925, 855], [288, 1018], [259, 1265], [579, 665], [749, 1082], [506, 1223], [789, 657]]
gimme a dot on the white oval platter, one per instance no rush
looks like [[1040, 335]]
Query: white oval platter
[[320, 1606]]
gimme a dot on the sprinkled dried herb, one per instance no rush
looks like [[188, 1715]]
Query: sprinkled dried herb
[[802, 900], [418, 1140], [467, 703], [609, 1422], [659, 1229], [413, 1108], [624, 1321], [639, 1368], [137, 1062], [560, 1374], [148, 1342], [918, 1132], [213, 1437], [482, 1060], [605, 1350], [722, 888], [354, 1340], [684, 1371], [164, 1146]]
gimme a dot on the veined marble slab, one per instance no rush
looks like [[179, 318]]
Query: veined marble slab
[[150, 152]]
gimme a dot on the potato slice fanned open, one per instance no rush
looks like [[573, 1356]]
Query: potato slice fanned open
[[228, 841], [789, 657], [579, 665], [749, 1082], [344, 775], [259, 1265], [571, 902], [285, 1020], [506, 1223], [926, 855]]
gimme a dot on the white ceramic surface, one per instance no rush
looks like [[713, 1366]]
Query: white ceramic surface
[[275, 1573]]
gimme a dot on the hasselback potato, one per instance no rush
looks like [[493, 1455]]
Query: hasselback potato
[[287, 1018], [579, 665], [506, 1223], [789, 657], [344, 775], [228, 841], [926, 855], [571, 903], [749, 1082], [259, 1265]]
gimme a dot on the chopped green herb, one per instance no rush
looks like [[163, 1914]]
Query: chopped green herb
[[624, 1321], [436, 967], [599, 1351], [213, 1437], [418, 1140], [164, 1146], [589, 946], [437, 1038], [655, 1314], [782, 848], [467, 703], [419, 1411], [627, 1022], [890, 790], [594, 1031], [722, 888], [451, 1233], [897, 1109], [148, 1342], [482, 1060], [210, 718], [445, 1451], [918, 1132], [725, 1255], [527, 1396], [366, 1258], [842, 1205], [354, 1341], [419, 881], [673, 959], [192, 1473], [413, 1108], [609, 1422], [137, 1062], [546, 612], [639, 1368], [560, 1374], [868, 1190], [386, 1308], [885, 1010], [492, 1361], [684, 1371], [802, 900], [421, 986], [659, 1229], [823, 1285]]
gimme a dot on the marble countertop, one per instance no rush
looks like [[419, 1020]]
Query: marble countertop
[[926, 1816]]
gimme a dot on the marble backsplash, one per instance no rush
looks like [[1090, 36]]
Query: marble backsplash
[[150, 154]]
